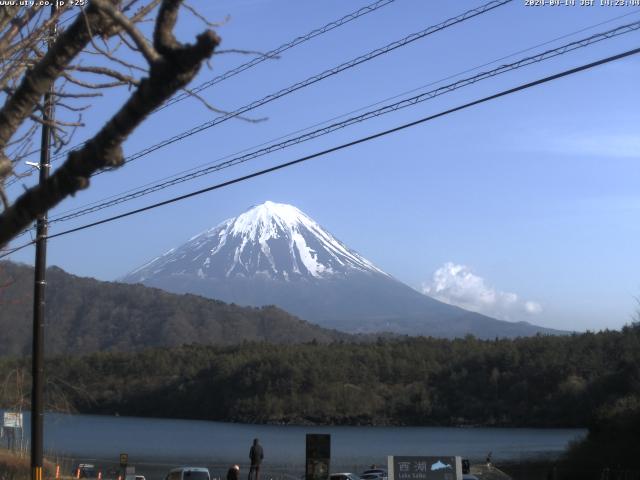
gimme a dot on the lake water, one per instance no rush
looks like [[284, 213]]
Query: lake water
[[165, 442]]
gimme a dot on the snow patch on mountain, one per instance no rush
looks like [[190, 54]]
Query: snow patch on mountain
[[272, 239]]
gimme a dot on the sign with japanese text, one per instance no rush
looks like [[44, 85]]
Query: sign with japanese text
[[424, 468], [12, 420]]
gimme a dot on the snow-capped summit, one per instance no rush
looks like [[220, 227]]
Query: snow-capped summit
[[272, 240], [274, 254]]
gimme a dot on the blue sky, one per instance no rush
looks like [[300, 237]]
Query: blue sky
[[525, 208]]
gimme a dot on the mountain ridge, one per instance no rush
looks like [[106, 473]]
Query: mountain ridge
[[85, 315], [275, 254]]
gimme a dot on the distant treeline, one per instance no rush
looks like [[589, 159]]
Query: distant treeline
[[543, 381]]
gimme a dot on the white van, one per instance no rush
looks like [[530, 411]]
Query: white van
[[189, 473]]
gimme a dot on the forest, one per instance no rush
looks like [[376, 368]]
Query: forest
[[544, 381], [581, 380]]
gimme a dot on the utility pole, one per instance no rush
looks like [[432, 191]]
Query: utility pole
[[37, 359]]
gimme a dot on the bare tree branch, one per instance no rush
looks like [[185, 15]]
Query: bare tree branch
[[54, 123], [164, 41], [203, 19], [77, 94], [217, 110], [23, 137], [108, 72], [109, 55], [18, 24], [174, 68], [143, 11], [8, 13], [147, 50], [4, 199], [246, 52], [91, 85], [66, 106], [38, 80]]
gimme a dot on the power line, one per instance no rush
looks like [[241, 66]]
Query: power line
[[277, 51], [321, 76], [342, 146], [546, 55], [11, 251], [618, 17], [24, 232], [253, 62], [248, 149], [355, 142]]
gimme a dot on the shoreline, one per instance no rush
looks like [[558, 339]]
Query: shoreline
[[305, 422]]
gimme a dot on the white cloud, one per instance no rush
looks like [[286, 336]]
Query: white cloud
[[532, 307], [458, 285]]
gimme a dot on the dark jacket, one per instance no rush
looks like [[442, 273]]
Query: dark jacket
[[255, 454]]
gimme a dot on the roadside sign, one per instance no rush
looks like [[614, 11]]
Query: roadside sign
[[124, 459], [424, 468], [12, 420]]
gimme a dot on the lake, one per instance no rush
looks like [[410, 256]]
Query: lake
[[165, 442]]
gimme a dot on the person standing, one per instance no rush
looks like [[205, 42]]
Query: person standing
[[256, 455]]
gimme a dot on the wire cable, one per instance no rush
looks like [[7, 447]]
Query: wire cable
[[552, 53], [11, 251], [618, 17], [252, 63], [277, 51], [318, 77], [281, 166], [379, 102]]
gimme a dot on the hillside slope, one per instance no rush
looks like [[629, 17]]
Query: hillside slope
[[86, 315]]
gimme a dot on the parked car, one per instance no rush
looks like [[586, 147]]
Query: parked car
[[188, 473], [374, 474], [370, 476], [344, 476]]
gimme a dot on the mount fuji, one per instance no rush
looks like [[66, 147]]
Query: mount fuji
[[274, 254]]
